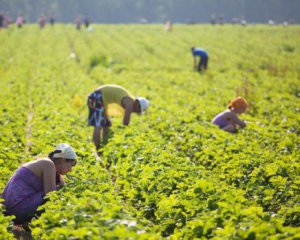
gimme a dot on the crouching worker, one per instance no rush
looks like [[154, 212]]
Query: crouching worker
[[111, 100], [228, 120], [26, 189]]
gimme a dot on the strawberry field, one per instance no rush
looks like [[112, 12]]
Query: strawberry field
[[171, 173]]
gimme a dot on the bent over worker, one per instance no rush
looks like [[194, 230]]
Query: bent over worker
[[203, 61], [26, 189], [111, 100]]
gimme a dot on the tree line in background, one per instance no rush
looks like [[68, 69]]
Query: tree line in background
[[132, 11]]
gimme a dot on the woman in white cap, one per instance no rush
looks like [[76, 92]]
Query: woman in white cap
[[111, 100], [26, 189]]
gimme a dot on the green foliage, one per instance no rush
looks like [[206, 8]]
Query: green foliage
[[171, 173]]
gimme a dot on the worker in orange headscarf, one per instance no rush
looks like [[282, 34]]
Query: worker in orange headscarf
[[228, 120]]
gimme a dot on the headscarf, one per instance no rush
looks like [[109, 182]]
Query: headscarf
[[238, 102]]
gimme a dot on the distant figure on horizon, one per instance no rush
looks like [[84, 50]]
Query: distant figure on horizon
[[203, 58], [26, 189], [228, 120], [271, 22], [20, 21], [6, 20], [42, 21], [213, 19], [78, 22], [111, 100], [168, 26], [52, 20], [86, 21], [221, 20], [243, 22], [1, 19]]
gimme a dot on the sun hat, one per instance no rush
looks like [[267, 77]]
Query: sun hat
[[144, 103], [67, 151], [238, 102]]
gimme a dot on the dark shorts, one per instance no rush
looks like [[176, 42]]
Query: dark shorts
[[97, 116]]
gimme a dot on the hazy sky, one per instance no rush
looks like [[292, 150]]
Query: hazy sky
[[123, 11]]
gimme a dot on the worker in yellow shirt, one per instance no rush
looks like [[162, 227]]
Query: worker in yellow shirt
[[111, 100]]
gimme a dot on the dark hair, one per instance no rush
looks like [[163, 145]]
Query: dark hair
[[51, 155], [57, 175]]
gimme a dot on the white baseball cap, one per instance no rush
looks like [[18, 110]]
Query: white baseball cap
[[67, 151], [144, 103]]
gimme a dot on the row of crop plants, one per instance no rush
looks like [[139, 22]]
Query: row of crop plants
[[51, 92], [13, 114], [165, 177], [171, 172]]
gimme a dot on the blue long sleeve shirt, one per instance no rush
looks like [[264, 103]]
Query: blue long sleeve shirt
[[199, 52]]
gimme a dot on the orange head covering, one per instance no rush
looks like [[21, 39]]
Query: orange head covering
[[238, 102]]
